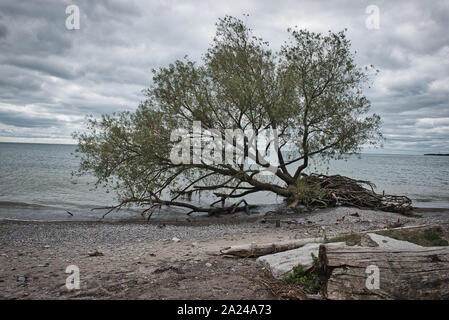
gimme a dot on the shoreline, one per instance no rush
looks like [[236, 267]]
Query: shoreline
[[221, 219], [164, 261]]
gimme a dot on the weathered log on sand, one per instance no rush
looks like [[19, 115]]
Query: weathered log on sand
[[282, 263], [403, 274], [261, 249]]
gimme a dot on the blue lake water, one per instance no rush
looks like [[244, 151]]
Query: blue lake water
[[36, 182]]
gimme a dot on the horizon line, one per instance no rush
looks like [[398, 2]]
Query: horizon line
[[363, 152]]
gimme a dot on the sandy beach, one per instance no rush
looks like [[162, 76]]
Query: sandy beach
[[146, 261]]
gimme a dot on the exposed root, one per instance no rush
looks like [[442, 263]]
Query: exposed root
[[339, 190], [313, 191]]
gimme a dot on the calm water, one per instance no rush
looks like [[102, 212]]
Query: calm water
[[36, 182]]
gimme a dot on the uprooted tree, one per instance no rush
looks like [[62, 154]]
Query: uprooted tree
[[309, 93]]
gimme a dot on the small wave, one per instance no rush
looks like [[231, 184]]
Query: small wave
[[32, 220], [424, 199], [12, 204]]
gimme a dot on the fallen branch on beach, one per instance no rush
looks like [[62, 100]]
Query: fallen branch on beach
[[261, 249]]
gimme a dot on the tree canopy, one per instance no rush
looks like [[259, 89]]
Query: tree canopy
[[309, 93]]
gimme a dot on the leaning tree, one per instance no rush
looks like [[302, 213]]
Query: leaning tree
[[310, 93]]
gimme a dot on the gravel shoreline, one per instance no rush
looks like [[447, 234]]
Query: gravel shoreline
[[97, 233], [332, 220], [144, 261]]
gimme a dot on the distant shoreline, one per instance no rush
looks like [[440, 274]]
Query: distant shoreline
[[437, 154]]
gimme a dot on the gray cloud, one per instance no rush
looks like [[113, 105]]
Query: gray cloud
[[3, 31], [26, 121], [51, 77]]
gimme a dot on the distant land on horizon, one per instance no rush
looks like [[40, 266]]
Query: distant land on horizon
[[437, 154]]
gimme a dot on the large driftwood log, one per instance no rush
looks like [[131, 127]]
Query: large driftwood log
[[261, 249], [403, 274]]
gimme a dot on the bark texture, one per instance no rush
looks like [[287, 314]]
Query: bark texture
[[403, 274]]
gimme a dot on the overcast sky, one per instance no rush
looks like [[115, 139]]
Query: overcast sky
[[51, 77]]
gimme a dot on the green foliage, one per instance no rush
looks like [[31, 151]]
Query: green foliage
[[309, 280], [427, 238], [351, 239], [297, 272], [309, 194], [434, 238], [310, 91]]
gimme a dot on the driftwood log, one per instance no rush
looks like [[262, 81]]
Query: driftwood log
[[261, 249], [403, 274]]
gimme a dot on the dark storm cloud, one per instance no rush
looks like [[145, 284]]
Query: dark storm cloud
[[52, 68], [51, 77], [23, 120], [3, 31]]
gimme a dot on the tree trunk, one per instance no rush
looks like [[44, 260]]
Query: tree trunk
[[261, 249], [403, 274]]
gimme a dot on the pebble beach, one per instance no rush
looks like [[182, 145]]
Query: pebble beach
[[163, 260]]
